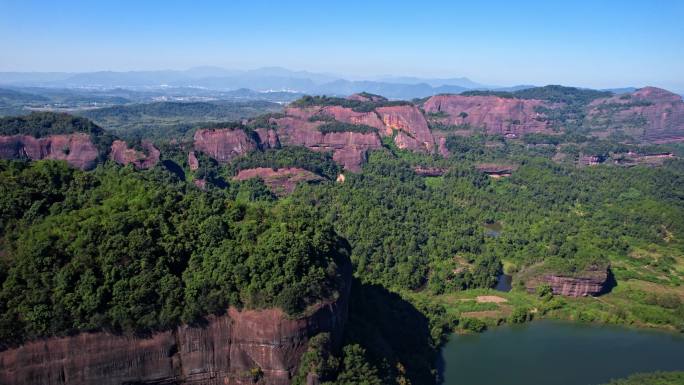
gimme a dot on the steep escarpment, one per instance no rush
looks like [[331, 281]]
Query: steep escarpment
[[76, 149], [349, 148], [649, 114], [224, 144], [139, 255], [47, 135], [494, 114], [589, 282], [401, 121], [240, 347]]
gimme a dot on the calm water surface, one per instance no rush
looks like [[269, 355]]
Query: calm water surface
[[558, 353]]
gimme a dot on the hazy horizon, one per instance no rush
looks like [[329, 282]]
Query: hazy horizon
[[583, 44]]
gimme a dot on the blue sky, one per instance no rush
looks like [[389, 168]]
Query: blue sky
[[595, 43]]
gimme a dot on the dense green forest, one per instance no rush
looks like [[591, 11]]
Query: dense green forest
[[138, 251], [131, 251]]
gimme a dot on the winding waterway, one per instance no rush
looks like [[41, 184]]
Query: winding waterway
[[558, 353]]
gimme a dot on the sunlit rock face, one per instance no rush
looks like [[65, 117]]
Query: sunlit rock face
[[589, 283], [496, 115], [227, 350], [77, 149], [122, 154], [650, 114], [224, 144]]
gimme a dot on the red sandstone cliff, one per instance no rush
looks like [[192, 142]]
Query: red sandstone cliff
[[495, 114], [120, 153], [589, 283], [222, 352], [411, 127], [650, 114], [77, 150], [223, 144], [405, 123], [349, 148]]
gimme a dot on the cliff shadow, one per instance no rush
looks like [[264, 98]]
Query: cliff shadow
[[395, 334], [610, 284]]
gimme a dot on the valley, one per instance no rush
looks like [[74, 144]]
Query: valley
[[253, 242]]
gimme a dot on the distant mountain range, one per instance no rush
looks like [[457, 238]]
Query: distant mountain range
[[260, 80]]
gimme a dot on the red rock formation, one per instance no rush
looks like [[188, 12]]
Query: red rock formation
[[192, 161], [223, 144], [494, 114], [589, 283], [349, 148], [77, 149], [413, 132], [268, 138], [222, 352], [281, 181], [121, 154], [651, 114]]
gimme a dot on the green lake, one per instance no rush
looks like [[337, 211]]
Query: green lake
[[557, 353]]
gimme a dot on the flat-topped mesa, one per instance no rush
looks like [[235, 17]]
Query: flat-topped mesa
[[496, 115], [280, 181], [224, 144], [77, 149], [650, 114], [238, 348], [588, 283], [122, 154]]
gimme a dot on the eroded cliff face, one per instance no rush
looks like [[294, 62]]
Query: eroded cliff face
[[280, 181], [122, 154], [406, 124], [496, 115], [589, 283], [77, 149], [651, 114], [239, 347], [224, 144], [412, 132], [349, 148]]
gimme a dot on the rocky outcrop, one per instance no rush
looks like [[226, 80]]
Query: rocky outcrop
[[496, 115], [224, 144], [78, 149], [193, 162], [651, 114], [405, 123], [280, 181], [268, 138], [366, 97], [122, 154], [589, 283], [412, 129], [239, 347], [349, 148]]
